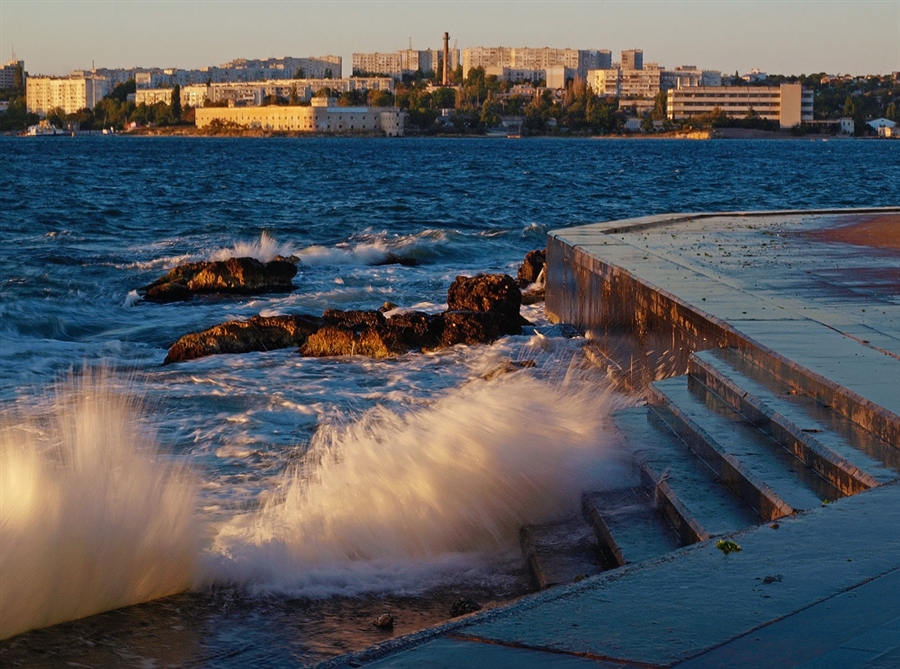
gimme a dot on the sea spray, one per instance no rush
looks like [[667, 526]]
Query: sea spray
[[264, 249], [91, 518], [398, 501]]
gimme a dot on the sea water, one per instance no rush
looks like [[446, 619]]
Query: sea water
[[266, 504]]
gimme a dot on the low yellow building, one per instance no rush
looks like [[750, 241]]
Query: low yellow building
[[789, 104], [320, 118]]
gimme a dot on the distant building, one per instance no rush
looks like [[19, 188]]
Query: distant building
[[8, 73], [322, 117], [242, 70], [403, 63], [878, 123], [577, 62], [640, 82], [633, 59], [71, 94], [254, 93], [789, 104]]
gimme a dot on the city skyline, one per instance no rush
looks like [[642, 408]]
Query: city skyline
[[54, 37]]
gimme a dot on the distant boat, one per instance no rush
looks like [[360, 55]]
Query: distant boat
[[43, 129]]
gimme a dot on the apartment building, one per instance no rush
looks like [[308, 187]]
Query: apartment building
[[632, 80], [322, 117], [8, 73], [242, 70], [254, 93], [520, 59], [789, 104], [71, 94], [403, 63]]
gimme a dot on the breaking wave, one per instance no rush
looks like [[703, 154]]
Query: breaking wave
[[91, 518], [401, 501], [264, 249]]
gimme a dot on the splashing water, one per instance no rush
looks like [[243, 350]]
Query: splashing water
[[265, 249], [90, 518], [399, 501]]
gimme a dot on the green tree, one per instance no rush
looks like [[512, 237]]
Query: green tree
[[891, 112], [849, 107], [659, 106], [175, 105]]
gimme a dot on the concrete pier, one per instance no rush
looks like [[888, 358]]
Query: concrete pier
[[767, 346]]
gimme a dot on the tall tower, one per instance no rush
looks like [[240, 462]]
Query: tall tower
[[445, 80]]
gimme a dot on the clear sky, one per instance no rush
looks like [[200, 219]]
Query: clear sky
[[777, 36]]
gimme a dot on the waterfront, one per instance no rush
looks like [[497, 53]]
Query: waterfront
[[118, 212]]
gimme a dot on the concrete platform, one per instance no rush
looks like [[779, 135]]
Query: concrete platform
[[820, 588]]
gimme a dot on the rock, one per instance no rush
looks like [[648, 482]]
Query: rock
[[354, 320], [394, 259], [469, 327], [507, 367], [462, 606], [384, 621], [233, 276], [374, 342], [416, 329], [531, 268], [260, 333], [387, 306], [497, 294]]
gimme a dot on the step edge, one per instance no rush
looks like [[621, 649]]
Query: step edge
[[769, 504], [815, 454]]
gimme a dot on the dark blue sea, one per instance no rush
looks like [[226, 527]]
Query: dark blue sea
[[260, 509]]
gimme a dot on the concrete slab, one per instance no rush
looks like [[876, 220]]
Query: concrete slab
[[847, 631], [698, 598]]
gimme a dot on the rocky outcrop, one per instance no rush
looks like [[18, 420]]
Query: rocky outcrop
[[531, 276], [495, 294], [483, 309], [260, 333], [531, 268], [241, 276]]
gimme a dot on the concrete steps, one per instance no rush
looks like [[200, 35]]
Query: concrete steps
[[559, 553], [848, 456], [728, 446]]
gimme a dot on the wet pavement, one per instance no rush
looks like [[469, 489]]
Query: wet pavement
[[817, 589]]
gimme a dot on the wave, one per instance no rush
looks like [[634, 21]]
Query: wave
[[400, 501], [91, 518], [264, 249], [369, 248]]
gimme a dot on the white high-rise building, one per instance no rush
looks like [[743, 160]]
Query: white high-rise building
[[71, 94]]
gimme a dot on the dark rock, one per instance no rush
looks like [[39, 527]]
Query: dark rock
[[469, 327], [462, 606], [497, 293], [531, 268], [387, 306], [394, 259], [416, 329], [385, 621], [234, 276], [354, 320], [508, 367], [260, 333]]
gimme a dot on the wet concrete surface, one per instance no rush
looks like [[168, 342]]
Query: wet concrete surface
[[817, 589]]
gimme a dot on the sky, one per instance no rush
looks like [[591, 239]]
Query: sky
[[54, 37]]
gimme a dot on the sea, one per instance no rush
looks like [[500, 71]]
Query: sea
[[261, 509]]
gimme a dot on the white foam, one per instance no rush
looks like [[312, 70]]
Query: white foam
[[264, 249], [90, 518], [398, 500]]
